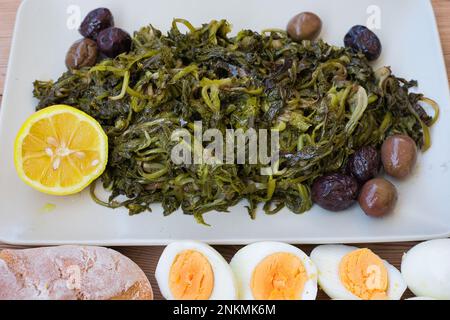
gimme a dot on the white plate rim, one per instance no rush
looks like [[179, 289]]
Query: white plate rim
[[143, 242]]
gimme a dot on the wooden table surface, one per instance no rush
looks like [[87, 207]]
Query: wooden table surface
[[147, 257]]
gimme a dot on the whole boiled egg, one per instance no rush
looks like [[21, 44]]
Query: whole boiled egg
[[426, 269], [351, 273], [274, 271], [190, 270]]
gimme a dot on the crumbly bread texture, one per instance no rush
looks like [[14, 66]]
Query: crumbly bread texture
[[71, 273]]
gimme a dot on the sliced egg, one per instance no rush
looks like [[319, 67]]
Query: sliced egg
[[352, 273], [274, 271], [426, 269], [190, 270]]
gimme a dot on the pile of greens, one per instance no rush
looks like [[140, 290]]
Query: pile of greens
[[325, 101]]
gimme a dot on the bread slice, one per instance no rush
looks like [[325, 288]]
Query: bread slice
[[71, 273]]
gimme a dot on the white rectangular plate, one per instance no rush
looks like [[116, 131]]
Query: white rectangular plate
[[42, 36]]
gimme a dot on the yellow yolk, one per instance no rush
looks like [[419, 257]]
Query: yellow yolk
[[364, 274], [280, 276], [191, 276]]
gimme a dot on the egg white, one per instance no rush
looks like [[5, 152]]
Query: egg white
[[327, 259], [225, 287], [246, 260], [426, 269]]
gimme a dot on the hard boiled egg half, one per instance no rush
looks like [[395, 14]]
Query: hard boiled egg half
[[426, 269], [190, 270], [274, 271], [351, 273]]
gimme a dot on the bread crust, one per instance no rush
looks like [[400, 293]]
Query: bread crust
[[71, 273]]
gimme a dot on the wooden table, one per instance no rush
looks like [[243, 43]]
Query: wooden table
[[147, 257]]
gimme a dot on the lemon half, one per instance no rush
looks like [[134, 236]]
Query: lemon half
[[60, 150]]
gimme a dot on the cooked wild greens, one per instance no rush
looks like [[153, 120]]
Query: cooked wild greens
[[326, 102]]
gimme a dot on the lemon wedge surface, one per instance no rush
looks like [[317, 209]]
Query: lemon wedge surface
[[60, 150]]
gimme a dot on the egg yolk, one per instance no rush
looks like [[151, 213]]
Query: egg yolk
[[364, 274], [191, 276], [280, 276]]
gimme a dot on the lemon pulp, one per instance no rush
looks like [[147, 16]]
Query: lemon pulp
[[60, 150]]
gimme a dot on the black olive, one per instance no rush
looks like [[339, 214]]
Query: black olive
[[364, 164], [335, 192], [83, 53], [96, 21], [361, 39], [113, 41]]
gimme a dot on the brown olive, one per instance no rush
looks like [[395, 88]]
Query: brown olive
[[364, 164], [113, 41], [83, 53], [304, 26], [378, 197], [334, 192], [96, 21], [399, 155]]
